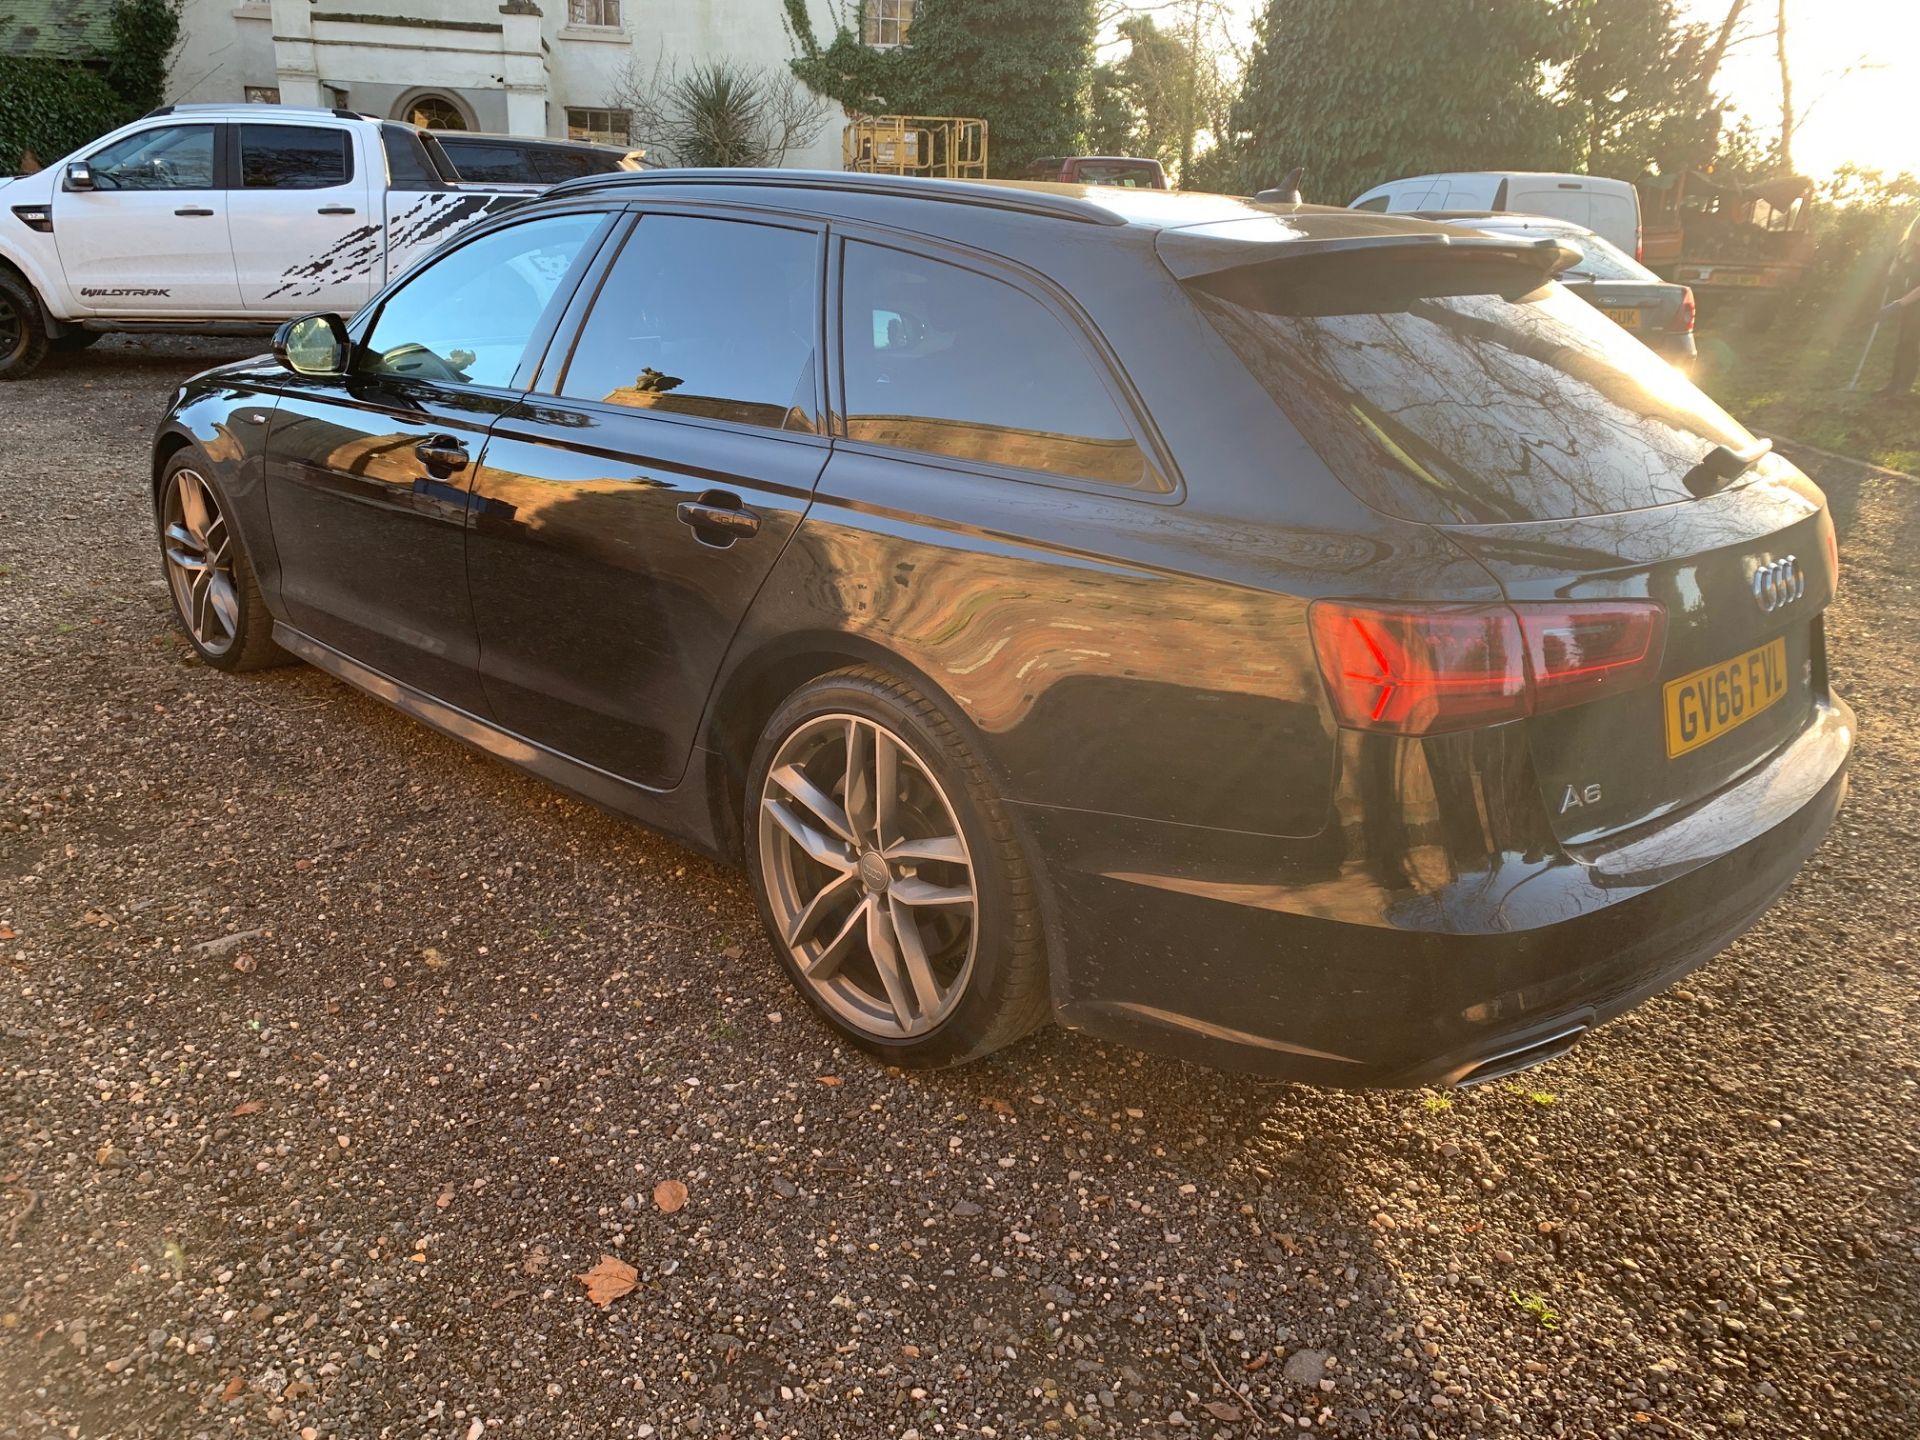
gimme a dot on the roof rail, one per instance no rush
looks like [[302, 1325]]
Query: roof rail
[[203, 107], [992, 194]]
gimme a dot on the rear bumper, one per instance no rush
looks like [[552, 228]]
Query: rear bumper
[[1333, 978]]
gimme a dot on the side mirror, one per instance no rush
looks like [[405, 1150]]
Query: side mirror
[[313, 345], [79, 175]]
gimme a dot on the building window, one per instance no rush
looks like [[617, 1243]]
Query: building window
[[888, 21], [604, 127], [263, 94], [594, 12], [436, 112]]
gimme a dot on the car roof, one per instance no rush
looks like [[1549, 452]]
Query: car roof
[[1506, 219], [549, 142], [831, 191]]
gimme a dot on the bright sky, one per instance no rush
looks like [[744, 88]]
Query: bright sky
[[1856, 78]]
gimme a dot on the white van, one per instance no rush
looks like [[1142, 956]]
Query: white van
[[1607, 207]]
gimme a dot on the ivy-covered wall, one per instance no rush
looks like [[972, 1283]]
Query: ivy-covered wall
[[51, 104]]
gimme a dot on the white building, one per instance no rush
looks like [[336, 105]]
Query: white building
[[523, 67]]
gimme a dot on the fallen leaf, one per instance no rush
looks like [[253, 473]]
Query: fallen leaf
[[444, 1198], [234, 1387], [828, 1079], [248, 1107], [1258, 1362], [535, 1262], [998, 1106], [732, 952], [505, 1299], [669, 1195], [608, 1281], [245, 964], [1220, 1410], [7, 932], [433, 959]]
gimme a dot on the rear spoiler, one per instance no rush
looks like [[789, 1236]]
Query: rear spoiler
[[1280, 267]]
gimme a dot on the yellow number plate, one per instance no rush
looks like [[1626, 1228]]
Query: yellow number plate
[[1708, 703], [1627, 319]]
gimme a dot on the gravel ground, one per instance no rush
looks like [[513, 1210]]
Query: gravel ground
[[333, 1054]]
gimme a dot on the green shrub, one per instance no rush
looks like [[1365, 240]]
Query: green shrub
[[51, 107]]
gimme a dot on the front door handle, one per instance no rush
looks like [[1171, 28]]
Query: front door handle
[[442, 453], [338, 210], [718, 518], [193, 210]]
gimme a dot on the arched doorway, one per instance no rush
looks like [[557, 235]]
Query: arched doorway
[[432, 110]]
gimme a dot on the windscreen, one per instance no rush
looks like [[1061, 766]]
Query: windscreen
[[1477, 409]]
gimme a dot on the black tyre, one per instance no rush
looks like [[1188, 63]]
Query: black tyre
[[888, 876], [74, 341], [215, 596], [23, 329]]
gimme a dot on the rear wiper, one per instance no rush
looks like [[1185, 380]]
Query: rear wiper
[[1721, 466]]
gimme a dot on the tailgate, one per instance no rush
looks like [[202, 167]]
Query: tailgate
[[1743, 662]]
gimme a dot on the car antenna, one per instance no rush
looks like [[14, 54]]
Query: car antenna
[[1287, 192]]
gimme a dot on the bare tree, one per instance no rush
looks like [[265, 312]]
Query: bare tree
[[717, 112], [1786, 92]]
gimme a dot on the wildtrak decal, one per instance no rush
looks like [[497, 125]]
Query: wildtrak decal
[[119, 292], [407, 234]]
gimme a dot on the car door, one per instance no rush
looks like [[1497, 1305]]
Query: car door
[[297, 201], [149, 238], [627, 513], [368, 474]]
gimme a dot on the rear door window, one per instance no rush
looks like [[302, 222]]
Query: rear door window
[[717, 319], [1573, 205], [294, 157], [949, 361]]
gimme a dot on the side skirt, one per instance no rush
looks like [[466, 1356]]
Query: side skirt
[[678, 813]]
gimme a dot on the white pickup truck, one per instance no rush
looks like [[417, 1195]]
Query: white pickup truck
[[220, 218]]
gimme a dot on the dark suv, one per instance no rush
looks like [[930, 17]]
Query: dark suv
[[1297, 639]]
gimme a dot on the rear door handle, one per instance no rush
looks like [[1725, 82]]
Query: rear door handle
[[338, 210], [442, 452], [193, 210], [718, 518]]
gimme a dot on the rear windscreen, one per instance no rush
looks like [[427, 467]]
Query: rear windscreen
[[1475, 409]]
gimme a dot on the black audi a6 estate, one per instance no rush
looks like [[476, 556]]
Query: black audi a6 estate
[[1308, 641]]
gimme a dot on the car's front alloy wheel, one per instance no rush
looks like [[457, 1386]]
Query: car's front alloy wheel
[[215, 596], [888, 876]]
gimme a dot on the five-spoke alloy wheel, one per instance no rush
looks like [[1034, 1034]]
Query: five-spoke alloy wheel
[[888, 875], [214, 592], [868, 876], [199, 551]]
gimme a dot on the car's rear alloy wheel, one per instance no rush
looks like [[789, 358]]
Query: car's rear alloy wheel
[[214, 592], [889, 877], [868, 876]]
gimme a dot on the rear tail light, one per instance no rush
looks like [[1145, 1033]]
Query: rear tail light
[[1683, 317], [1424, 669]]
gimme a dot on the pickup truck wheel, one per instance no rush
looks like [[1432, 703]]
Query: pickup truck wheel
[[215, 596], [75, 340], [23, 329]]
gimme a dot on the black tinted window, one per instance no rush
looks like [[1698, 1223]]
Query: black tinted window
[[557, 164], [168, 157], [705, 317], [489, 162], [465, 318], [293, 157], [947, 360], [409, 166]]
